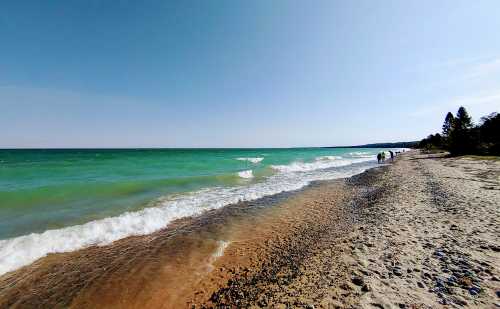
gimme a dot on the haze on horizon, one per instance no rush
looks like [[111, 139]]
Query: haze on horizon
[[242, 74]]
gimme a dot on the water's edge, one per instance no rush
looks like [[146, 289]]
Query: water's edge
[[18, 252]]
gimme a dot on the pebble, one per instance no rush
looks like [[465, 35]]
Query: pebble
[[474, 291], [357, 281], [397, 271]]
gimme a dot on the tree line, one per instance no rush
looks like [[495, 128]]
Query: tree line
[[461, 136]]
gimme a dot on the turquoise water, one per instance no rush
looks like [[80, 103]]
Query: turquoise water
[[74, 198]]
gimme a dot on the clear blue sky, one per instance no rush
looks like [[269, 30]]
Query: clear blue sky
[[242, 73]]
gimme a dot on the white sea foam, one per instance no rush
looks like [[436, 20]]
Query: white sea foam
[[253, 160], [362, 154], [246, 174], [219, 251], [23, 250], [327, 158], [320, 163], [221, 247]]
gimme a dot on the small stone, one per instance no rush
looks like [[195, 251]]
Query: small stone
[[439, 282], [357, 281], [474, 291], [459, 300], [420, 285], [495, 248]]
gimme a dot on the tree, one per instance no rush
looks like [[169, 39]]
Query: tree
[[460, 140], [433, 141], [448, 124], [463, 121], [489, 132], [460, 135]]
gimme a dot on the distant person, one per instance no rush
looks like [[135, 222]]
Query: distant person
[[392, 155], [383, 156], [379, 157]]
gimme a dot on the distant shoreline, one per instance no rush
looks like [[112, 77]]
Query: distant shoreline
[[381, 145], [375, 145]]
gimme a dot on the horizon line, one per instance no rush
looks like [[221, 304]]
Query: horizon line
[[167, 148]]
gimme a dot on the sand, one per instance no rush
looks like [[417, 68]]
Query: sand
[[423, 232]]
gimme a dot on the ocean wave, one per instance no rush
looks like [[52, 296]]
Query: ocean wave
[[327, 158], [362, 154], [246, 174], [253, 160], [319, 163], [23, 250]]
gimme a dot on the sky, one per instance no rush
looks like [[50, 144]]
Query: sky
[[242, 73]]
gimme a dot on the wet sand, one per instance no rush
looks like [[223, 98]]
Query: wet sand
[[423, 232]]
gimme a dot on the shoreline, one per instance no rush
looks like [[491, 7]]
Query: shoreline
[[203, 232], [161, 210], [371, 240]]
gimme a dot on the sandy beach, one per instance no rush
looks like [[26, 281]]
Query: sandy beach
[[423, 232], [250, 154]]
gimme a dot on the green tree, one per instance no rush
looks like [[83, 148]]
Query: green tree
[[489, 132], [460, 135], [460, 140], [433, 141], [448, 124], [463, 121]]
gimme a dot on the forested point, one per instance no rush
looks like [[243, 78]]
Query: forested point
[[460, 136]]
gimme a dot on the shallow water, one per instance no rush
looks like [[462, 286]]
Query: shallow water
[[64, 200]]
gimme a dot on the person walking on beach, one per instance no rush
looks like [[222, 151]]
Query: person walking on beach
[[392, 155], [379, 157]]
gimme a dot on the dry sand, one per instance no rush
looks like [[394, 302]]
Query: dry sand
[[420, 233]]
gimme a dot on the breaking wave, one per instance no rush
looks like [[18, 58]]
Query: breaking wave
[[246, 174], [253, 160], [323, 162]]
